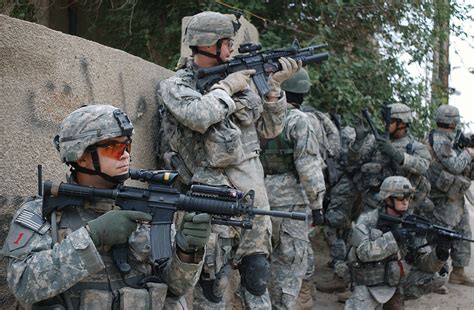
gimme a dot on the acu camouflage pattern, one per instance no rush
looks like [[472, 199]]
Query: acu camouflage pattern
[[447, 114], [87, 126], [196, 113], [395, 186], [290, 192], [400, 111], [38, 270], [308, 186], [449, 174], [377, 166], [206, 28], [377, 260]]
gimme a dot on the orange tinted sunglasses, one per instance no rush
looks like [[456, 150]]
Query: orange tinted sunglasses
[[115, 149]]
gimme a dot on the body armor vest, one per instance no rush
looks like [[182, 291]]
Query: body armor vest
[[277, 156]]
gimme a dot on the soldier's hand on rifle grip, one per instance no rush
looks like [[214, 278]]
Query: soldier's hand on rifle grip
[[235, 82], [386, 147], [318, 217], [289, 67], [114, 227], [194, 233]]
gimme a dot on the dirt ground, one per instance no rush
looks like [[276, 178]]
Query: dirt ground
[[459, 297]]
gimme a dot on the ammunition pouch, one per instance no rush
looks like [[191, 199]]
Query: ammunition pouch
[[372, 174], [454, 186], [376, 273], [223, 145], [277, 156]]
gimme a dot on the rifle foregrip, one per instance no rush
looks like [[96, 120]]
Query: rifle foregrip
[[318, 58], [160, 241]]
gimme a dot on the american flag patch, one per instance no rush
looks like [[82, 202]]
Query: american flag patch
[[31, 220]]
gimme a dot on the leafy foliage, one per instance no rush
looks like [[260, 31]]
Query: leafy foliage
[[370, 42]]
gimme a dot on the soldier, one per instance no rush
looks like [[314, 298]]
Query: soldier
[[449, 175], [216, 136], [387, 264], [66, 261], [400, 154], [294, 182], [340, 210]]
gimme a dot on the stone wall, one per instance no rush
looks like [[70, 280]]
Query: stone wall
[[45, 75]]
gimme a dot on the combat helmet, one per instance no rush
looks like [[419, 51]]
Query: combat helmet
[[298, 83], [88, 125], [396, 186], [447, 115], [400, 111], [207, 28]]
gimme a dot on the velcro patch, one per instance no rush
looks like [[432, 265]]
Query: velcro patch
[[17, 238], [32, 221]]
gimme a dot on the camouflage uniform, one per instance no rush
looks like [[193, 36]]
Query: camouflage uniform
[[379, 265], [449, 174], [39, 270], [414, 166], [298, 187], [54, 261], [217, 137]]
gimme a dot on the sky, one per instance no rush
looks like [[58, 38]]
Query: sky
[[461, 56]]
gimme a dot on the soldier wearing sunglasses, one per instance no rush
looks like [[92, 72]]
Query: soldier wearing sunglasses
[[65, 262], [389, 263]]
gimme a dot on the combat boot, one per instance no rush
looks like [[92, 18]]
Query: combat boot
[[395, 303], [458, 276], [336, 284], [442, 290], [342, 297], [305, 299]]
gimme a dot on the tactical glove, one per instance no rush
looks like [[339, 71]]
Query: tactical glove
[[386, 147], [289, 66], [443, 245], [318, 217], [235, 82], [114, 227], [194, 232]]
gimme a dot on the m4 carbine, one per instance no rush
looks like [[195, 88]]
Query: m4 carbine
[[423, 227], [264, 63], [161, 200]]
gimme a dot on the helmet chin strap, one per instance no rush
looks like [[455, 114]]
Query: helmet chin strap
[[216, 56], [392, 206], [118, 179]]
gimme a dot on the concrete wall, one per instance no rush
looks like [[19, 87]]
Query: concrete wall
[[44, 75]]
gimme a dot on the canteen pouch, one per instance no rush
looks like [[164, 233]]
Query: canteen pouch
[[223, 145], [392, 273]]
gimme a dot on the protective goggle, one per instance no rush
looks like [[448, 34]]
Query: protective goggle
[[114, 149], [407, 196]]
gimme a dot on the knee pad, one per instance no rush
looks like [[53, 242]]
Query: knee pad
[[214, 290], [338, 250], [255, 273]]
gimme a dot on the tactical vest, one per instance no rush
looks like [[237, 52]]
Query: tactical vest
[[277, 156], [108, 289]]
